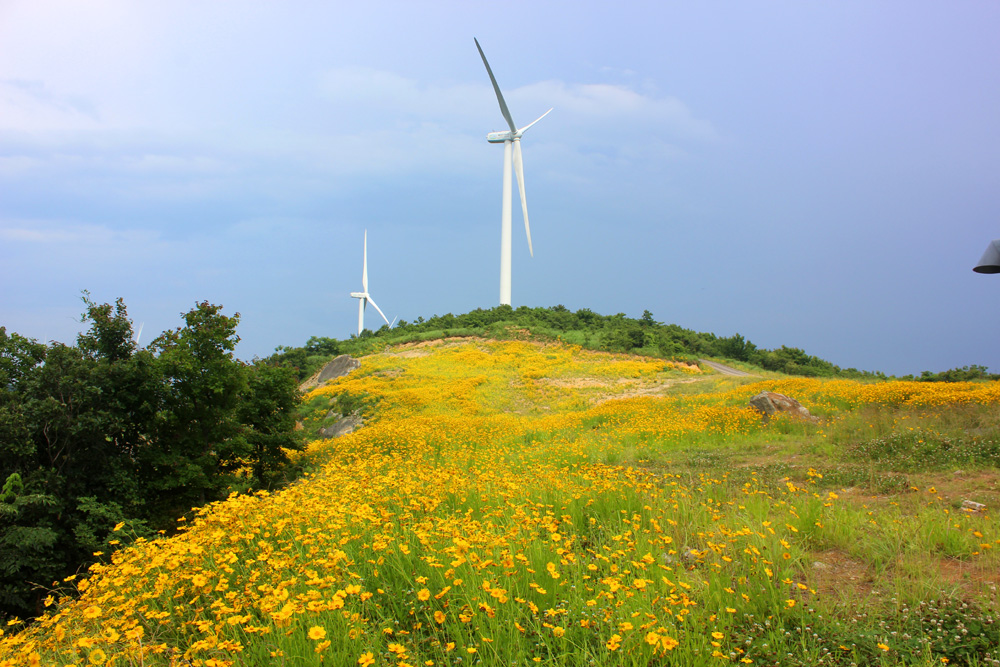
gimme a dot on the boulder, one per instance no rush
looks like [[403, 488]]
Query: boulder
[[339, 367], [972, 506], [768, 403], [342, 427]]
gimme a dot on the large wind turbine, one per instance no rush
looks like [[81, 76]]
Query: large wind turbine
[[364, 296], [511, 141]]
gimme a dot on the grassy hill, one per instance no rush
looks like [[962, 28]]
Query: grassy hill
[[513, 502], [590, 330]]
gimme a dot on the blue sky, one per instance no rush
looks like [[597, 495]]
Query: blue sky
[[821, 175]]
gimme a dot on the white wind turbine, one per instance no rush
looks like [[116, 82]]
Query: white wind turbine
[[511, 141], [364, 296]]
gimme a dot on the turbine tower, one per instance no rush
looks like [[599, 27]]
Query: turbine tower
[[364, 296], [511, 141]]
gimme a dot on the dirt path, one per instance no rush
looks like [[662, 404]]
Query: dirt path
[[725, 370]]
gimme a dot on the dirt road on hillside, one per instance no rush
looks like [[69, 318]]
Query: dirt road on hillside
[[725, 370]]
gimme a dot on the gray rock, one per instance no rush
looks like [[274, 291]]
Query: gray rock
[[339, 367], [769, 403], [346, 425], [972, 506]]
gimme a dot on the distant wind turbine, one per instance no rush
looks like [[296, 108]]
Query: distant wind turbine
[[511, 141], [364, 296], [138, 334]]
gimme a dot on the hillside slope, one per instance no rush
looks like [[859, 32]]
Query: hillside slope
[[511, 503]]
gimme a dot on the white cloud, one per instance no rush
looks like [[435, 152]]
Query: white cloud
[[190, 97], [390, 95], [18, 164], [130, 119], [189, 164], [75, 235], [403, 124], [616, 105], [377, 98], [30, 106]]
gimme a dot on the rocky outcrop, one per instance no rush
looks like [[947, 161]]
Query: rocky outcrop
[[342, 427], [770, 403], [339, 367]]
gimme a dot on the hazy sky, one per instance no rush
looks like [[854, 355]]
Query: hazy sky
[[822, 175]]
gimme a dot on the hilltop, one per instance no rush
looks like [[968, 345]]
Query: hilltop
[[590, 330], [520, 502], [610, 333]]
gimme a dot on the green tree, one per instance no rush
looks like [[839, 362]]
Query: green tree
[[19, 357], [267, 415], [736, 347], [100, 433], [198, 440], [29, 552]]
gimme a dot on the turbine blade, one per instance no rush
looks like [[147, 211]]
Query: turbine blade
[[361, 315], [364, 273], [523, 129], [519, 170], [138, 334], [379, 310], [394, 321], [496, 87]]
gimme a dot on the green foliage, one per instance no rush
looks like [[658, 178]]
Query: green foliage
[[29, 546], [305, 361], [928, 450], [198, 432], [267, 418], [18, 357], [941, 632], [101, 433], [11, 488], [963, 374], [614, 333]]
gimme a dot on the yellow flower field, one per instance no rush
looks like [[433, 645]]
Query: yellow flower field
[[513, 503]]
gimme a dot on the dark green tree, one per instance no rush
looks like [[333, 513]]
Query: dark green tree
[[198, 443], [101, 433], [267, 418]]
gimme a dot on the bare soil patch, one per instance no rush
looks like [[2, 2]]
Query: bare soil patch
[[419, 349], [970, 576], [834, 573], [652, 389]]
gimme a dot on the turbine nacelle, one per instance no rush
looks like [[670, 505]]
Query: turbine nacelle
[[500, 137], [508, 135], [359, 295]]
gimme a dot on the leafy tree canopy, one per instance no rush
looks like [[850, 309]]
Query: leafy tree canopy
[[103, 433]]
